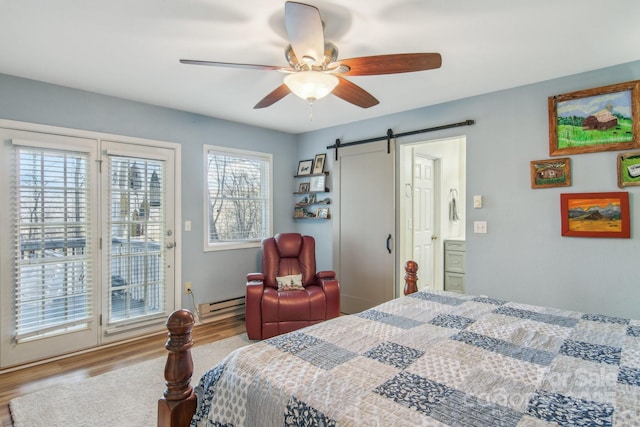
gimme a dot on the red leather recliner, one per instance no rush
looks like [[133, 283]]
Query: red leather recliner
[[269, 312]]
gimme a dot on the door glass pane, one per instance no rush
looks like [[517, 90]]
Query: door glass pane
[[53, 267], [137, 241]]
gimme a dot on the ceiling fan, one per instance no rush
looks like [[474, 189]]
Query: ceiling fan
[[315, 70]]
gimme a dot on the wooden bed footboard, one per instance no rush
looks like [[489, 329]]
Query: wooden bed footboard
[[178, 404]]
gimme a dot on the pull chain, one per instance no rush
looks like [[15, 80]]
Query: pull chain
[[310, 109]]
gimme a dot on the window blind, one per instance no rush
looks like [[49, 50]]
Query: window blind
[[136, 249], [53, 269]]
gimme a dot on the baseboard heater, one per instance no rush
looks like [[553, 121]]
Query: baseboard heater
[[221, 309]]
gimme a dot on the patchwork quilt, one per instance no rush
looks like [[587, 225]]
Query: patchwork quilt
[[434, 359]]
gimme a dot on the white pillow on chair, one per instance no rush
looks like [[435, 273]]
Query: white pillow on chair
[[290, 283]]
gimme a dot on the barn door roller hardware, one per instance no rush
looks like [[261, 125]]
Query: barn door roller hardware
[[390, 135]]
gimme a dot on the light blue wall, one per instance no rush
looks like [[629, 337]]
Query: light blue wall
[[523, 257], [215, 275]]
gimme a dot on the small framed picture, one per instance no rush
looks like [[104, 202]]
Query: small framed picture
[[551, 173], [303, 187], [629, 169], [298, 213], [304, 167], [595, 214], [318, 163], [317, 183], [322, 213]]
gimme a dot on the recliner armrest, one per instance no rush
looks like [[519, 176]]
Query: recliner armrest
[[331, 288], [327, 274], [253, 307], [255, 277]]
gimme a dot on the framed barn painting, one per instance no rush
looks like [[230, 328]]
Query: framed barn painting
[[592, 120], [628, 169], [595, 214], [551, 173]]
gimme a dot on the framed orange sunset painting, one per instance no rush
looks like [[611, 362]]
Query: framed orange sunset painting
[[595, 214]]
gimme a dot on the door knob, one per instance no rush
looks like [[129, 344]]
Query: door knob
[[171, 245]]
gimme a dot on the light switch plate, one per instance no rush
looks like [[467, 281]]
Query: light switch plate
[[477, 202], [480, 227]]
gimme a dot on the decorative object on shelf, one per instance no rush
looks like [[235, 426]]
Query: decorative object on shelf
[[312, 199], [322, 213], [317, 183], [595, 214], [600, 119], [318, 163], [629, 169], [298, 212], [304, 167], [303, 187], [551, 173]]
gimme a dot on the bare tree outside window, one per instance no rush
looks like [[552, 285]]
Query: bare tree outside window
[[238, 196]]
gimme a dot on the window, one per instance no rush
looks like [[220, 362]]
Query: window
[[238, 202], [53, 256], [137, 255]]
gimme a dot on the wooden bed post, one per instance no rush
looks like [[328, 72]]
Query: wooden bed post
[[178, 405], [411, 277]]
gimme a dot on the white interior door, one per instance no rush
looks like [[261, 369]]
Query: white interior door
[[424, 219], [364, 229]]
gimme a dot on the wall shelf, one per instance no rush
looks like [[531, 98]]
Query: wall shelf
[[311, 206]]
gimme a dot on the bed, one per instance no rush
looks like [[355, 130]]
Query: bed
[[427, 358]]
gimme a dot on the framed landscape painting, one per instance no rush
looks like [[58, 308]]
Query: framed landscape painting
[[628, 169], [595, 214], [551, 173], [592, 120]]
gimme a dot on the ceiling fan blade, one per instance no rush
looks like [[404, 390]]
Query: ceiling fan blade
[[234, 65], [275, 96], [306, 35], [391, 64], [354, 94]]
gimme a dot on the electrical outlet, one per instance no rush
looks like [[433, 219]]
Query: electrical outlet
[[187, 287]]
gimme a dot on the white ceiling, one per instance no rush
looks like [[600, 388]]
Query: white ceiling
[[130, 49]]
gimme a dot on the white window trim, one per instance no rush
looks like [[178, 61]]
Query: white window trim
[[245, 244]]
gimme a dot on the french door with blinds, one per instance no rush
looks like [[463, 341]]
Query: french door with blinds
[[139, 245], [86, 242]]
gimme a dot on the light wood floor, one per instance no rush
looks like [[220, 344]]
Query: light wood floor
[[76, 368]]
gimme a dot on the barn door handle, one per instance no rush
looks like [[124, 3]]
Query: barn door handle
[[389, 243]]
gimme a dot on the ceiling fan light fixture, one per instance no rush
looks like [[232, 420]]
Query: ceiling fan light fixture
[[311, 85]]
